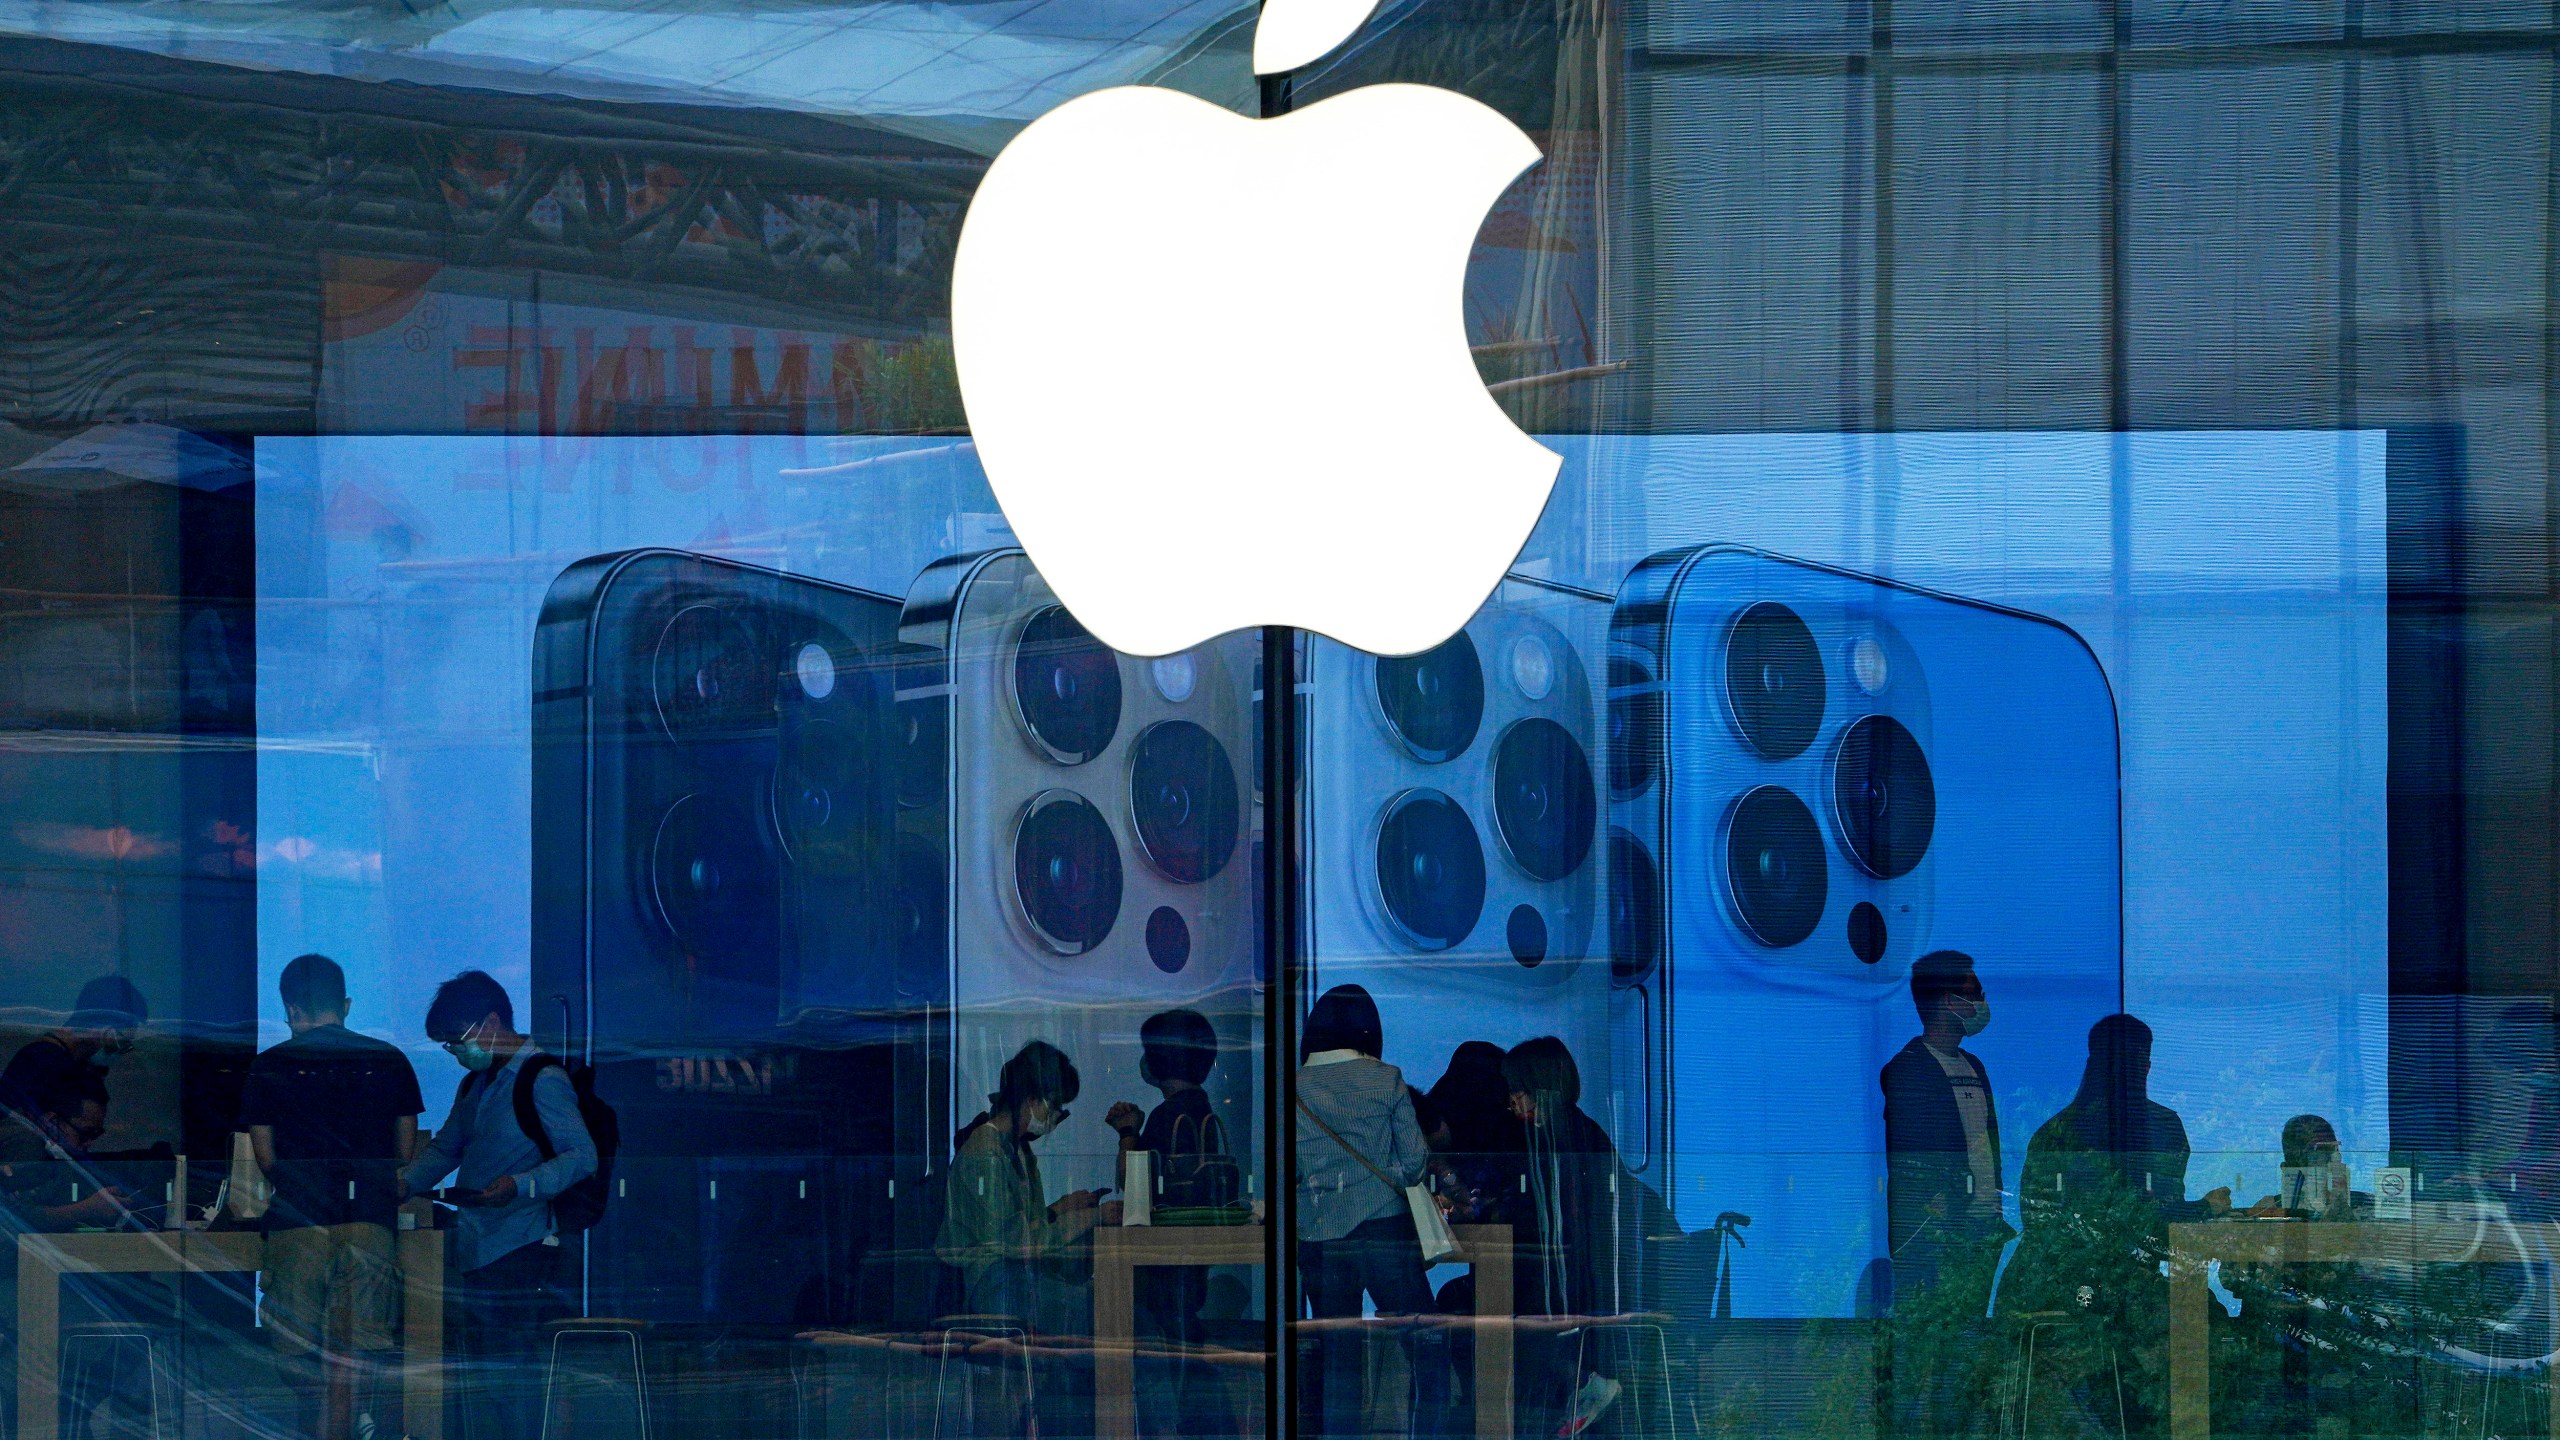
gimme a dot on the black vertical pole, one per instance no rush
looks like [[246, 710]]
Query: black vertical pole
[[1280, 1018], [1280, 941]]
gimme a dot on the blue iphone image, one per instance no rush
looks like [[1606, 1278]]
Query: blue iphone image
[[1452, 809], [1815, 778]]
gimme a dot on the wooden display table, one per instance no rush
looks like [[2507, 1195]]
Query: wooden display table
[[1118, 1252], [44, 1259], [2291, 1242]]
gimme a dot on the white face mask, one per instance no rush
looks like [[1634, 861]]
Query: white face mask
[[1039, 1119]]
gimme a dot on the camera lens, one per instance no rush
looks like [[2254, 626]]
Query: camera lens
[[1168, 939], [1882, 796], [1635, 910], [1066, 871], [708, 874], [825, 791], [1430, 868], [1773, 680], [709, 676], [1434, 700], [1066, 685], [1526, 933], [834, 772], [1774, 866], [1635, 726], [1543, 805], [1182, 801]]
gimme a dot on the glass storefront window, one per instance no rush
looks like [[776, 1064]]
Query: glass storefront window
[[1987, 867]]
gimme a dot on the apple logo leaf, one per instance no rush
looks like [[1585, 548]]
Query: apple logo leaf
[[1292, 33]]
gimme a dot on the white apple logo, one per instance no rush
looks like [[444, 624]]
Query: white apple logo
[[1217, 368]]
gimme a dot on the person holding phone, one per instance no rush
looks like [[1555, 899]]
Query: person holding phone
[[1018, 1253], [508, 1273]]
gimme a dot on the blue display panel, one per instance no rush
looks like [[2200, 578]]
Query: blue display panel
[[1842, 775], [2115, 654]]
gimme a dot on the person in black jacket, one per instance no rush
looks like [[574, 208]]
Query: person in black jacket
[[1941, 1131], [2113, 1137], [1945, 1223], [1480, 1159], [1192, 1168], [1576, 1239]]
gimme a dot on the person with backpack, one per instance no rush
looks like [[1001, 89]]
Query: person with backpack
[[524, 1153]]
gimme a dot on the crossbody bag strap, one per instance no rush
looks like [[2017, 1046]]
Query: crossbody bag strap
[[1347, 1148]]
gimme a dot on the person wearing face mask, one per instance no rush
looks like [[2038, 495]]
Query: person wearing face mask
[[1190, 1168], [2315, 1183], [42, 1150], [100, 1027], [1941, 1130], [38, 1151], [1018, 1253], [507, 1273]]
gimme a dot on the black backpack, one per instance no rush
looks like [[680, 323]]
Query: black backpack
[[581, 1205]]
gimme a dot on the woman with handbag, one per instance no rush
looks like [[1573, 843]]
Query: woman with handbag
[[1361, 1157]]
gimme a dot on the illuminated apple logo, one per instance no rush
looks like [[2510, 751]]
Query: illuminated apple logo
[[1217, 368]]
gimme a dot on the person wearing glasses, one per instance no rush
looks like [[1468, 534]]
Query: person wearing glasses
[[507, 1272], [1018, 1253], [100, 1027], [1021, 1256]]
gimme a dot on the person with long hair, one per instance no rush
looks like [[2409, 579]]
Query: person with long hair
[[2113, 1139], [1574, 1235], [1482, 1153], [1359, 1146]]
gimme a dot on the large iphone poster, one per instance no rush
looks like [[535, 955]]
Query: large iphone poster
[[2183, 633]]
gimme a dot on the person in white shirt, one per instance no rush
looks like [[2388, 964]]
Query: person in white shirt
[[1941, 1128]]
